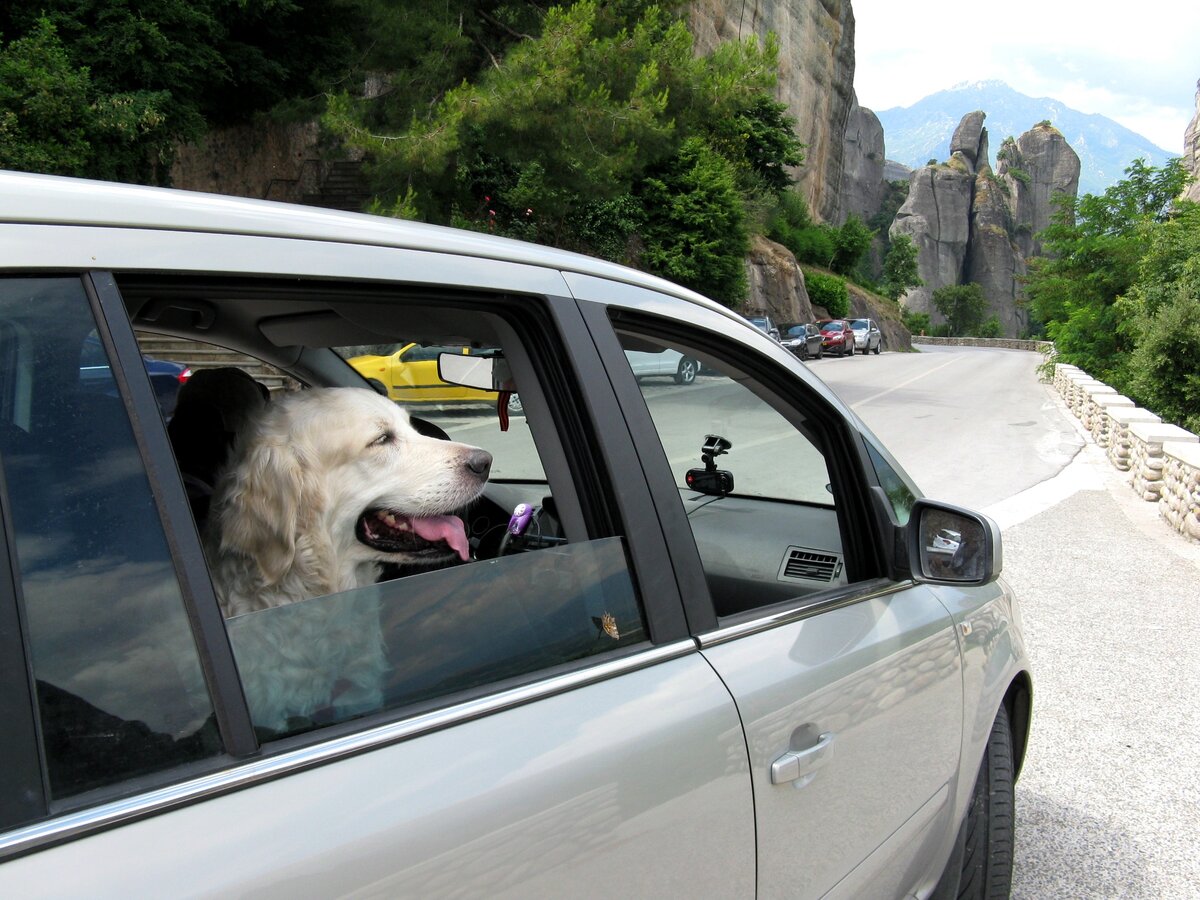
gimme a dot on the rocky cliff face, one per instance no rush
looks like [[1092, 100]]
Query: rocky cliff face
[[776, 283], [1191, 150], [973, 225], [861, 190], [816, 39]]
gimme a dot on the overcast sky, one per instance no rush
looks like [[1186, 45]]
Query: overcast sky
[[1136, 63]]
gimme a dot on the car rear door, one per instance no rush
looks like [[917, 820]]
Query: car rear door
[[848, 685], [620, 773]]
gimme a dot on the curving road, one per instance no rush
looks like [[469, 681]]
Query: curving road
[[1108, 804]]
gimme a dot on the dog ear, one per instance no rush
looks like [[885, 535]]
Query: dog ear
[[268, 497]]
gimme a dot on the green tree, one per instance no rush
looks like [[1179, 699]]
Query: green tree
[[900, 267], [1165, 366], [695, 232], [54, 120], [1093, 248], [158, 71], [964, 307], [850, 242]]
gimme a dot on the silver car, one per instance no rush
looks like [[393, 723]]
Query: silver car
[[867, 337], [721, 654]]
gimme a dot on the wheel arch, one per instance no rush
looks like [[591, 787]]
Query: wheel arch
[[1018, 700]]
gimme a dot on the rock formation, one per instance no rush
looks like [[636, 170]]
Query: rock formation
[[862, 187], [816, 76], [972, 225], [1191, 151], [776, 283], [1036, 167], [937, 216]]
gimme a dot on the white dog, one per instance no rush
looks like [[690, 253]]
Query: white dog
[[322, 488]]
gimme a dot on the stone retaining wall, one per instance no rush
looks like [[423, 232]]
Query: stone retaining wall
[[1043, 347], [1163, 460]]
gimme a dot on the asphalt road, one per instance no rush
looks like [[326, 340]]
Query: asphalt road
[[1108, 804]]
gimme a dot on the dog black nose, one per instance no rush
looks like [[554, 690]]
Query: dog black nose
[[479, 462]]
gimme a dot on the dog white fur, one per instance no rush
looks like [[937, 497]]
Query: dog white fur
[[322, 488]]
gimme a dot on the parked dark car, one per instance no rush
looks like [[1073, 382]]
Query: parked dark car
[[804, 340], [166, 377], [837, 336], [695, 642]]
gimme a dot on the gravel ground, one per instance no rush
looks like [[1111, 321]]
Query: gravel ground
[[1108, 804]]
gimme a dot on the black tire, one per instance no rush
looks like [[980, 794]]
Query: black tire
[[981, 866], [878, 347], [686, 373], [820, 351]]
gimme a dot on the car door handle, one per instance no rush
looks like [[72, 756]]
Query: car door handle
[[799, 767]]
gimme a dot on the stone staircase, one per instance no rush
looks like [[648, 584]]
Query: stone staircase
[[209, 356], [343, 187]]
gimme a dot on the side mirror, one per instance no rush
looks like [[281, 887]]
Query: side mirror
[[484, 373], [951, 545]]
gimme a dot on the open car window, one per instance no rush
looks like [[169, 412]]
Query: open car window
[[523, 590]]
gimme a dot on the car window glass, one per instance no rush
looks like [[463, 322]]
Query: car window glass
[[119, 686], [899, 494], [755, 485], [426, 636]]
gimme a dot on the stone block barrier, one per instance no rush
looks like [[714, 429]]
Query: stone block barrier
[[1163, 460]]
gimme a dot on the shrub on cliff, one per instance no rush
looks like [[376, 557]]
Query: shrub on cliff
[[828, 291]]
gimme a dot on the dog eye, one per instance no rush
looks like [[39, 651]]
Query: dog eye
[[383, 440]]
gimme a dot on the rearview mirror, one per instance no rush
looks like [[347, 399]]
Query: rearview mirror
[[484, 373], [951, 545]]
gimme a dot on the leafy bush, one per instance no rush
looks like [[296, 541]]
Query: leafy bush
[[915, 322], [828, 291], [850, 242], [1165, 367]]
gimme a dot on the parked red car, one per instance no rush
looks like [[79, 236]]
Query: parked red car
[[837, 336]]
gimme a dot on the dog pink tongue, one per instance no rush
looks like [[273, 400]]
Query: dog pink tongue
[[444, 528]]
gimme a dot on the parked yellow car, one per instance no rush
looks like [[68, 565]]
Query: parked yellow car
[[411, 375]]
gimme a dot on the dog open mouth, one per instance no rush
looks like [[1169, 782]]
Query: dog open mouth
[[390, 531]]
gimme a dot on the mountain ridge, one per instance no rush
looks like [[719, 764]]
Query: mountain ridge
[[920, 132]]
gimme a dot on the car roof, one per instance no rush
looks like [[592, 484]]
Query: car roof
[[56, 200]]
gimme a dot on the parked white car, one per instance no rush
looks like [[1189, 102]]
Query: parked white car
[[697, 644]]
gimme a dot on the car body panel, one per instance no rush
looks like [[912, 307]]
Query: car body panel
[[893, 660], [612, 787]]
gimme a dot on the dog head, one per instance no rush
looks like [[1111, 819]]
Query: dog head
[[326, 484]]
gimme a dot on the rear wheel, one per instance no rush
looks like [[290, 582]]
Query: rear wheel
[[878, 347], [686, 373], [981, 866]]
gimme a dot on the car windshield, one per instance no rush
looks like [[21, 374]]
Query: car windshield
[[795, 331], [832, 326], [759, 322], [859, 325]]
